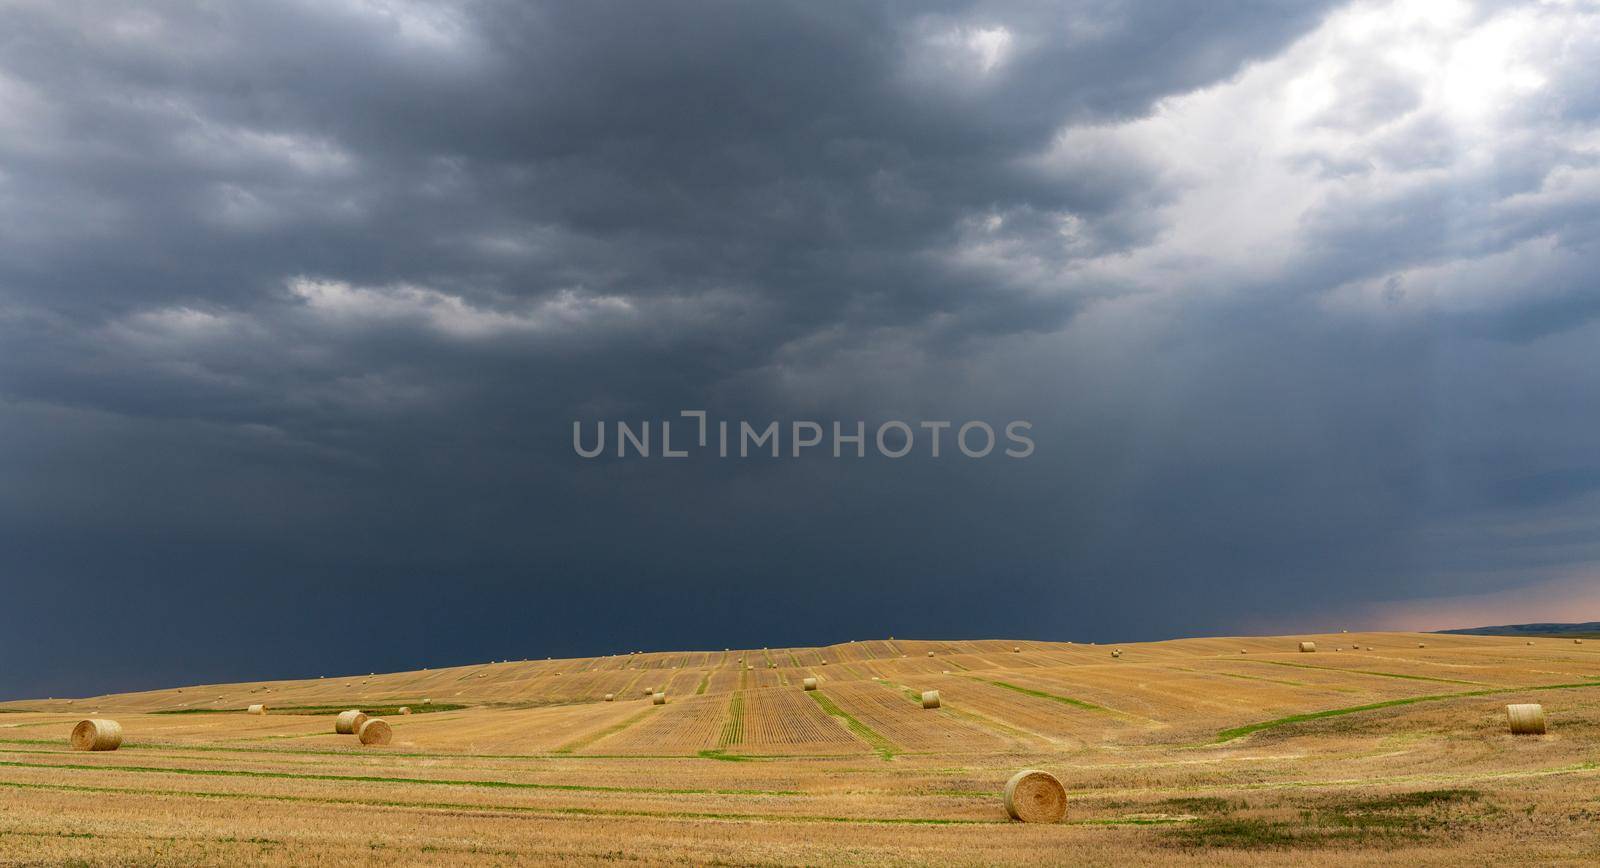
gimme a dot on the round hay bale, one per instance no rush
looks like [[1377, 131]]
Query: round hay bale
[[1033, 796], [824, 663], [375, 731], [97, 734], [1577, 641], [1016, 649], [349, 722], [258, 708], [930, 699], [610, 696], [426, 701], [1116, 652], [405, 709], [1420, 645], [1526, 718], [930, 653], [1307, 647], [658, 699], [1243, 651], [809, 684], [1530, 641]]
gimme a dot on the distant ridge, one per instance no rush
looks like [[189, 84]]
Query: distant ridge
[[1587, 629]]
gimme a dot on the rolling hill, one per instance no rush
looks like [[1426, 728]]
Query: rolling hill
[[1377, 746]]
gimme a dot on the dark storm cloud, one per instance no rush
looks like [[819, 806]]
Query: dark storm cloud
[[297, 296]]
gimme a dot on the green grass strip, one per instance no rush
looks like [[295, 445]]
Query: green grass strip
[[1259, 678], [388, 710], [883, 746], [705, 681], [1064, 700], [175, 747], [549, 811], [1368, 672], [733, 730], [1241, 731], [374, 779], [586, 740]]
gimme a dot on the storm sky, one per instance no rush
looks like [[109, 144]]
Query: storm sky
[[299, 302]]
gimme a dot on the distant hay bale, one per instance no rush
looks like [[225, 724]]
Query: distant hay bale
[[97, 734], [1530, 641], [810, 683], [405, 709], [1420, 645], [1577, 641], [658, 699], [1307, 647], [649, 691], [930, 653], [1526, 718], [1243, 651], [945, 672], [610, 696], [1116, 652], [349, 722], [375, 731], [1016, 649], [1033, 796], [426, 701], [258, 708], [930, 699], [824, 663]]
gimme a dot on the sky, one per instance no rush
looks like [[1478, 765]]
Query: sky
[[300, 302]]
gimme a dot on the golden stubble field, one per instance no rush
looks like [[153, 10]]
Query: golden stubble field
[[1372, 750]]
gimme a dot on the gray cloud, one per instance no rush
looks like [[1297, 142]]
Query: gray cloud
[[1298, 295]]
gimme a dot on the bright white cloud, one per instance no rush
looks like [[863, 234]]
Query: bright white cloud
[[1385, 108], [346, 304]]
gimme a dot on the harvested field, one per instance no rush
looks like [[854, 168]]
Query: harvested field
[[1181, 753]]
